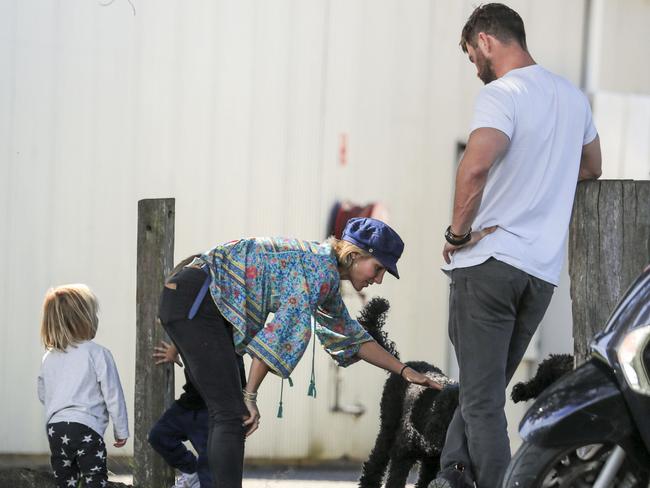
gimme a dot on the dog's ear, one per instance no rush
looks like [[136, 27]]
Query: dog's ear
[[443, 404], [373, 318]]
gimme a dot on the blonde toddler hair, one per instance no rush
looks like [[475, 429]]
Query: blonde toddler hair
[[69, 316]]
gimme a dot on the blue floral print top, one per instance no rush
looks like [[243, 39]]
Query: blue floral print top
[[293, 279]]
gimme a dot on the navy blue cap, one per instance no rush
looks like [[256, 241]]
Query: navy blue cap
[[376, 238]]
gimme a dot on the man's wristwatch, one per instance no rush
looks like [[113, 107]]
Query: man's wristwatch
[[456, 240]]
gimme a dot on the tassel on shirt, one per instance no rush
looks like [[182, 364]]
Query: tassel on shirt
[[281, 392], [312, 383], [311, 391], [280, 409]]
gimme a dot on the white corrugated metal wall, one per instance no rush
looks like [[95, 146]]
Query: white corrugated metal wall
[[236, 109]]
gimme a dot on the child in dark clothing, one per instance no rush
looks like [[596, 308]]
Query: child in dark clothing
[[185, 420]]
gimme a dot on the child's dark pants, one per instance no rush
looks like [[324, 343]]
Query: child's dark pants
[[179, 424]]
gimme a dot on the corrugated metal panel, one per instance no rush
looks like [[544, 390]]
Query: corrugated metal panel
[[625, 36], [236, 109], [623, 122]]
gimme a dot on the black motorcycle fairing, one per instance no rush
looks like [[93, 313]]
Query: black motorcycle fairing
[[639, 406], [595, 404], [632, 311], [584, 407]]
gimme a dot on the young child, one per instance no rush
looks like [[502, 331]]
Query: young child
[[80, 387], [186, 420]]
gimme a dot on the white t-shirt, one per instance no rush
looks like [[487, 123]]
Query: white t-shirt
[[82, 385], [529, 191]]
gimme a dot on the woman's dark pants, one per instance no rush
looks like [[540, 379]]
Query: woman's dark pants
[[206, 346]]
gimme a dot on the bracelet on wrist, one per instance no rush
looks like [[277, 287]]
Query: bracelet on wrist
[[249, 397], [401, 371], [456, 240]]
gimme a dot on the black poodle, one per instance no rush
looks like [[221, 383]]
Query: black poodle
[[414, 419], [551, 369]]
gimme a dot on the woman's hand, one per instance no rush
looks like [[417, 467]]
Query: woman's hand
[[252, 421], [412, 376], [373, 353], [256, 375], [166, 353]]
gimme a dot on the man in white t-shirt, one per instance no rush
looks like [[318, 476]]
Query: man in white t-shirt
[[532, 139]]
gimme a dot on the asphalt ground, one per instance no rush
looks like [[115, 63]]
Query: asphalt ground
[[290, 477], [274, 482], [337, 475]]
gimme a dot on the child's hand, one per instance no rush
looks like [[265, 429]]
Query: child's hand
[[119, 442], [166, 353]]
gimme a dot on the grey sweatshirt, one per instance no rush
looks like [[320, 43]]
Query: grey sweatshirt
[[82, 385]]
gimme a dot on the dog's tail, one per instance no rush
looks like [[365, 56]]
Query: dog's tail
[[373, 318]]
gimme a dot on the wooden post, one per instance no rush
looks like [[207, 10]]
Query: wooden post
[[154, 384], [609, 245]]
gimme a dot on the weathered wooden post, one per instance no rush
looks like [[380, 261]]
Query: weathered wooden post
[[154, 384], [609, 245]]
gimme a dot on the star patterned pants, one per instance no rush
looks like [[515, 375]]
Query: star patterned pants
[[78, 453]]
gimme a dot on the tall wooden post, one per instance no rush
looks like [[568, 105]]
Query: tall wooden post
[[609, 245], [154, 384]]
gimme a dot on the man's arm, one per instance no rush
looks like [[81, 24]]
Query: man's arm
[[484, 147], [591, 161]]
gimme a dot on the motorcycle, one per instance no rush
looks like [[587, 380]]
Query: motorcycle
[[592, 427]]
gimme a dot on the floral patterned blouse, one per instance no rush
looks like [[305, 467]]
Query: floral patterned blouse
[[293, 279]]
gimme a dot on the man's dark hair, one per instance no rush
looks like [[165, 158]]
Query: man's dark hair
[[497, 20]]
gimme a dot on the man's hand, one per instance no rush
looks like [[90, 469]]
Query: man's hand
[[591, 161], [166, 353], [450, 249]]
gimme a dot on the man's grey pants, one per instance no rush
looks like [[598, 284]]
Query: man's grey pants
[[494, 310]]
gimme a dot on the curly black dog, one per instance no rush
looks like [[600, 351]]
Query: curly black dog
[[414, 419], [551, 369]]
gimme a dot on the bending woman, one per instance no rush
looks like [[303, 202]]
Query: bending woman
[[294, 279]]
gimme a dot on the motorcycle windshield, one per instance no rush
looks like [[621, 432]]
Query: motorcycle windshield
[[632, 311]]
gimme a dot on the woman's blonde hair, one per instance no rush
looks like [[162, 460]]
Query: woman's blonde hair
[[69, 316], [344, 250]]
